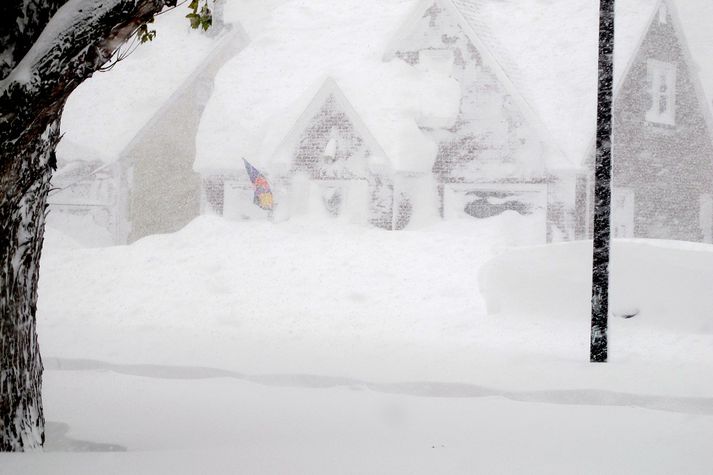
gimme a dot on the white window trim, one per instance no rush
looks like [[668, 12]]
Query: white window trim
[[655, 71], [623, 212], [706, 217], [437, 60]]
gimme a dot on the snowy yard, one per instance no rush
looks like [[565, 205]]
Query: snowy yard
[[389, 306], [310, 347]]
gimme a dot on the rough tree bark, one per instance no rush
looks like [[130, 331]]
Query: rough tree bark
[[598, 351], [47, 48]]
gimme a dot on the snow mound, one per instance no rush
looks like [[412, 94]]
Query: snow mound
[[662, 284], [346, 300]]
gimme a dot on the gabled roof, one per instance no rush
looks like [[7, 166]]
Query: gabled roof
[[623, 70], [329, 88], [696, 73], [497, 59], [260, 94], [228, 43], [108, 111], [554, 45]]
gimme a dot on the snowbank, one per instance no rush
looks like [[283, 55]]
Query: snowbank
[[666, 284], [309, 345], [316, 297]]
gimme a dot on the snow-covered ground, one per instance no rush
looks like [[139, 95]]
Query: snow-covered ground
[[316, 347]]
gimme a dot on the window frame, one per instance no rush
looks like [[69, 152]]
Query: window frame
[[657, 73]]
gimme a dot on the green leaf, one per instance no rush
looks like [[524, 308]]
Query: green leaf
[[206, 17], [195, 20], [200, 19], [147, 35]]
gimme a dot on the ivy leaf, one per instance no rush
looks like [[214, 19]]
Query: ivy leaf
[[145, 35], [195, 20], [206, 17], [202, 18]]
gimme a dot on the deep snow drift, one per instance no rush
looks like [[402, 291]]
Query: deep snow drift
[[664, 284], [321, 347], [322, 297]]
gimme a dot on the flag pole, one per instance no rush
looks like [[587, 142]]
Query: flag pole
[[598, 350]]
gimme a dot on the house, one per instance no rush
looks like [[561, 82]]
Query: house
[[484, 153], [401, 113], [164, 189], [336, 130], [662, 185], [126, 157], [86, 195], [328, 162], [663, 81], [497, 156]]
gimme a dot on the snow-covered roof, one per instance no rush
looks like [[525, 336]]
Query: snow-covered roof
[[467, 15], [329, 90], [260, 94], [253, 15], [548, 48], [107, 111]]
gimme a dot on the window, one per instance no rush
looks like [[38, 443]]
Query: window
[[439, 60], [622, 213], [662, 88]]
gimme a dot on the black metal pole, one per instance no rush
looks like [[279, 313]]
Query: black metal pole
[[602, 186]]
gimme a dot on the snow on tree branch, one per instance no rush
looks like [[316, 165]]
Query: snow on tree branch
[[78, 39]]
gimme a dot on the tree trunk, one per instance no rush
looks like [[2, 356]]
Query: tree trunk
[[44, 56], [22, 221]]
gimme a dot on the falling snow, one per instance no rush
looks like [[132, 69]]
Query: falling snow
[[418, 298]]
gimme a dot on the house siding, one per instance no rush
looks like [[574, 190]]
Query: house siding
[[165, 192], [92, 191], [322, 166], [667, 167], [491, 139]]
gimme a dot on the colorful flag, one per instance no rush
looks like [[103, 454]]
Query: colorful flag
[[263, 194]]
